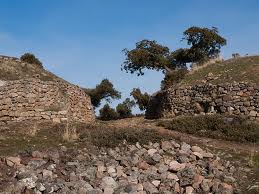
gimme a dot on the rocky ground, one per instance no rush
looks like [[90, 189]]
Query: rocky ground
[[167, 165]]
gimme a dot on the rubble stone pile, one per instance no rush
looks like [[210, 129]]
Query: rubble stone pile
[[166, 167]]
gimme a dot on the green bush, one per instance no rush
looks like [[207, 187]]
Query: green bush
[[173, 78], [30, 58], [107, 113], [216, 126], [124, 109]]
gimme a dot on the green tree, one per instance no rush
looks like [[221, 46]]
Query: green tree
[[205, 43], [30, 58], [107, 113], [105, 90], [148, 54], [141, 99], [124, 109]]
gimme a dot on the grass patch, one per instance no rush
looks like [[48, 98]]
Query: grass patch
[[236, 129], [12, 70], [18, 137], [114, 137], [239, 70], [253, 159]]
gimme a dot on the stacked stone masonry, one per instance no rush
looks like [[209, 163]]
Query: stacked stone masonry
[[231, 99], [33, 99]]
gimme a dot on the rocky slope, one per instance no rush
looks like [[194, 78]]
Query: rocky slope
[[166, 167]]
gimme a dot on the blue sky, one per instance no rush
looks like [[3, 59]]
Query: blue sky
[[82, 40]]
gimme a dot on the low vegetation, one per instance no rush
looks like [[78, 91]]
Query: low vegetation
[[216, 126], [13, 69], [107, 137], [173, 78], [30, 58], [243, 69], [25, 136], [107, 113], [122, 110]]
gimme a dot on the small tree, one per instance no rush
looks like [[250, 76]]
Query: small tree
[[124, 109], [141, 99], [30, 58], [104, 90], [107, 113]]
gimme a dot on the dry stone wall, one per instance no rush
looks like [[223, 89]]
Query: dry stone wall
[[33, 99], [231, 99]]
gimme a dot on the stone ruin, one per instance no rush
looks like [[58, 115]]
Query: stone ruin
[[231, 99], [33, 99]]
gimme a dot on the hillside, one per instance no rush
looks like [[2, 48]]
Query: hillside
[[232, 70], [12, 68]]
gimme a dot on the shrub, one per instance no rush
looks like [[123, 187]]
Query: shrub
[[107, 113], [30, 58], [173, 78], [124, 109], [216, 126]]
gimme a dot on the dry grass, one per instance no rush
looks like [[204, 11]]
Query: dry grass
[[241, 69], [253, 159], [230, 128], [70, 133], [12, 70], [33, 130], [107, 137]]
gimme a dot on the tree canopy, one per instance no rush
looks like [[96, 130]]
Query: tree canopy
[[204, 43], [148, 54], [105, 90], [141, 99]]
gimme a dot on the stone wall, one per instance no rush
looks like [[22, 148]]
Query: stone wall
[[33, 99], [231, 99]]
